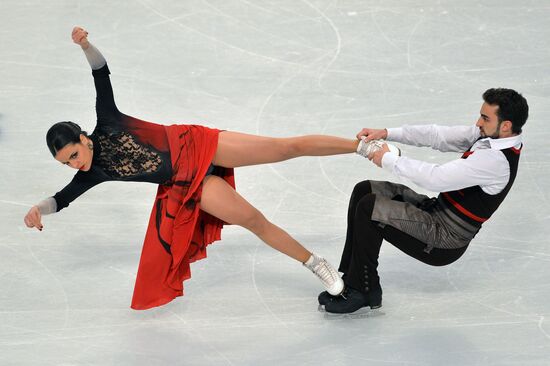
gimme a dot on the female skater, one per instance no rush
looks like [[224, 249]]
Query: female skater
[[193, 166]]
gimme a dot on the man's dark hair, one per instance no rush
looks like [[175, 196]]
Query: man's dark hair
[[512, 106], [61, 134]]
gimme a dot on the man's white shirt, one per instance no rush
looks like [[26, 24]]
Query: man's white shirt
[[487, 167]]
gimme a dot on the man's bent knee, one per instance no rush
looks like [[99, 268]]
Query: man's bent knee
[[362, 188]]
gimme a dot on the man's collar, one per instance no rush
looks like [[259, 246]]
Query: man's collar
[[502, 143]]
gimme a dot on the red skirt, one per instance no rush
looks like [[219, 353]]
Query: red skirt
[[178, 231]]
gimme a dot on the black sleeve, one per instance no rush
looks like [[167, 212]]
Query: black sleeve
[[80, 184], [106, 109]]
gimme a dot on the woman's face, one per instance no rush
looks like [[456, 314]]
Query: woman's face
[[77, 156]]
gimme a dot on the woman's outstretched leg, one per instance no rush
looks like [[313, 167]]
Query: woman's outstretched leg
[[238, 149], [219, 199]]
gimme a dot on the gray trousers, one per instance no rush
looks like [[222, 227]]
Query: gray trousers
[[416, 224], [420, 216]]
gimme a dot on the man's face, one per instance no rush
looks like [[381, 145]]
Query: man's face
[[488, 121]]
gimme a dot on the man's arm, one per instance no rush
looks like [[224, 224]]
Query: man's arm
[[486, 168], [442, 138]]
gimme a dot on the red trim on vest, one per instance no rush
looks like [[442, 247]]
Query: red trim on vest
[[517, 151], [467, 153], [462, 209]]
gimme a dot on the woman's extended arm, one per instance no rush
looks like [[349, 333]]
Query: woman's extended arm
[[94, 57], [106, 109], [78, 185]]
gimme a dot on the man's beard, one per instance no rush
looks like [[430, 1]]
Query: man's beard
[[495, 135]]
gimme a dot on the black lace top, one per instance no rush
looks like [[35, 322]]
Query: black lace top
[[121, 156], [124, 148]]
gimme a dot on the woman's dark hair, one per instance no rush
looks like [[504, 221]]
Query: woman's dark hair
[[63, 133], [512, 106]]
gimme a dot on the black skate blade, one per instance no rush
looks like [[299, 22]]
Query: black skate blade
[[364, 312]]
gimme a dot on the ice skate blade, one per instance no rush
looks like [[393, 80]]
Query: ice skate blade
[[364, 309], [364, 312]]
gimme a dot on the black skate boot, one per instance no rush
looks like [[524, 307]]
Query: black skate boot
[[352, 300], [324, 298]]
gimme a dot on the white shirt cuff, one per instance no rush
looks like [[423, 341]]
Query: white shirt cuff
[[389, 160], [394, 134]]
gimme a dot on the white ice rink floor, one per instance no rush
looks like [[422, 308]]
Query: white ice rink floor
[[276, 68]]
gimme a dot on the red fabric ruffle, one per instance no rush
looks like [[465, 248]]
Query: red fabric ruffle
[[178, 231]]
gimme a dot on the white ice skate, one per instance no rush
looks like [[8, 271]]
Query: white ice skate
[[326, 273], [365, 148]]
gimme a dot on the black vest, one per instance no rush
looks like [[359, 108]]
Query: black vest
[[472, 204]]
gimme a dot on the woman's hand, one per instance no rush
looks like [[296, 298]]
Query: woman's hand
[[34, 218], [372, 134], [376, 157], [80, 37]]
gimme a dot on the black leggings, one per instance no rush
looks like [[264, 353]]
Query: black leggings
[[364, 237]]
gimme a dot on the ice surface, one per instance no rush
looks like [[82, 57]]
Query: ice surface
[[276, 68]]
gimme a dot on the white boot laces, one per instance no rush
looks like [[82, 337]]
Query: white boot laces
[[325, 273]]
